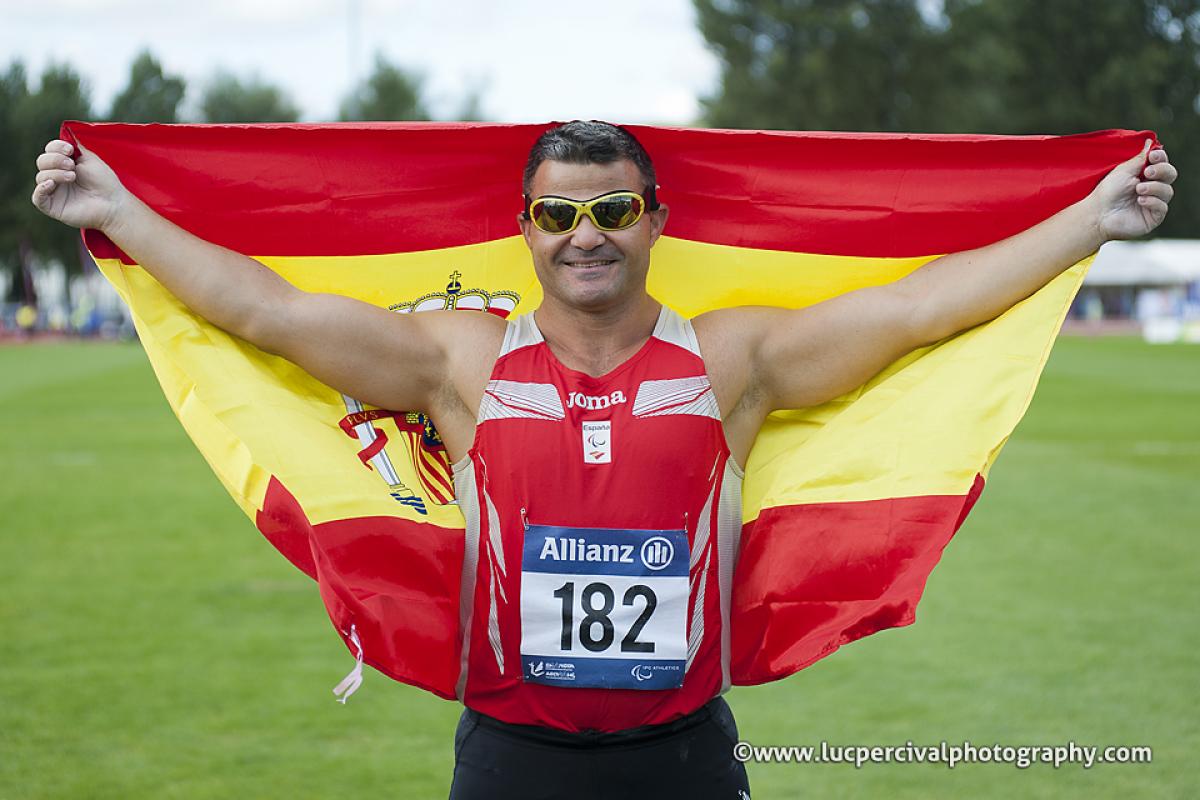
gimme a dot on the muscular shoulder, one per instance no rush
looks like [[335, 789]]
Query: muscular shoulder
[[471, 341], [466, 329], [728, 339]]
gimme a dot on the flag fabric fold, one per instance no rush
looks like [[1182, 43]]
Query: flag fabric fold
[[847, 506]]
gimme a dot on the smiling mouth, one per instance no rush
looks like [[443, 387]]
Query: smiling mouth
[[590, 263]]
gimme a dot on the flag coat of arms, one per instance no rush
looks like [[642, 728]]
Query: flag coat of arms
[[847, 506]]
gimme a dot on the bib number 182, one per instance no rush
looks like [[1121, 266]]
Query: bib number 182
[[596, 630]]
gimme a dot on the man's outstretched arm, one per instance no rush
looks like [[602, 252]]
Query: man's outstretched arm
[[804, 357], [386, 359], [961, 290]]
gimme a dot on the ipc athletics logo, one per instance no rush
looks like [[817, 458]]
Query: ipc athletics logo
[[657, 552]]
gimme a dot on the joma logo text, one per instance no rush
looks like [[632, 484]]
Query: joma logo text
[[579, 400]]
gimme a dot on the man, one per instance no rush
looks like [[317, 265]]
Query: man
[[596, 635]]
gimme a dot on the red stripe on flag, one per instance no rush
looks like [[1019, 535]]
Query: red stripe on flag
[[811, 578], [396, 581], [401, 187]]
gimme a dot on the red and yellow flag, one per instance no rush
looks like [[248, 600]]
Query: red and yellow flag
[[847, 505]]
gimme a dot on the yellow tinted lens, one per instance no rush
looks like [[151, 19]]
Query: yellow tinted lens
[[553, 216], [614, 213]]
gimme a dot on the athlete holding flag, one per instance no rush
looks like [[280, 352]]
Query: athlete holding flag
[[597, 442]]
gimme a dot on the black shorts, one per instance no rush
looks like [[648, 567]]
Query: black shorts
[[690, 757]]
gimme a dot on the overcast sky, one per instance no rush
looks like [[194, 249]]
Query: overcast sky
[[619, 60]]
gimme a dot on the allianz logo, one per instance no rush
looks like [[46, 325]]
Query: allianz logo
[[566, 549], [591, 403]]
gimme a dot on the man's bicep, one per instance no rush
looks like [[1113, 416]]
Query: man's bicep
[[811, 355], [377, 356]]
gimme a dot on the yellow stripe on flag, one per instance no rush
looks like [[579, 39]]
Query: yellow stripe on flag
[[924, 426]]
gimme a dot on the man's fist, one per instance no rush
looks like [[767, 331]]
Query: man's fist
[[82, 191], [1132, 199]]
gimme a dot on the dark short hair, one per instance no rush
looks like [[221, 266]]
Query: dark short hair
[[591, 142]]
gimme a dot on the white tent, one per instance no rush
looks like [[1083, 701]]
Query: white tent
[[1159, 262]]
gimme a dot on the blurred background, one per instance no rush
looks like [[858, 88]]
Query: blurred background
[[154, 646]]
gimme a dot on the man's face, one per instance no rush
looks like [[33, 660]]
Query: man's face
[[589, 268]]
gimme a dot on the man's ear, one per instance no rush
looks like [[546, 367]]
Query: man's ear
[[524, 224], [658, 221]]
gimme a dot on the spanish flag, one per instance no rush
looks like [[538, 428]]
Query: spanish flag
[[847, 505]]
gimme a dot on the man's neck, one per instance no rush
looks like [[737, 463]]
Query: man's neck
[[596, 341]]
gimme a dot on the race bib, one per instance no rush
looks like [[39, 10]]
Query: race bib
[[604, 608]]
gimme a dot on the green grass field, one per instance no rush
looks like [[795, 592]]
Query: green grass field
[[155, 646]]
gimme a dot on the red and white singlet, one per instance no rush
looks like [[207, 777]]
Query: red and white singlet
[[603, 522]]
